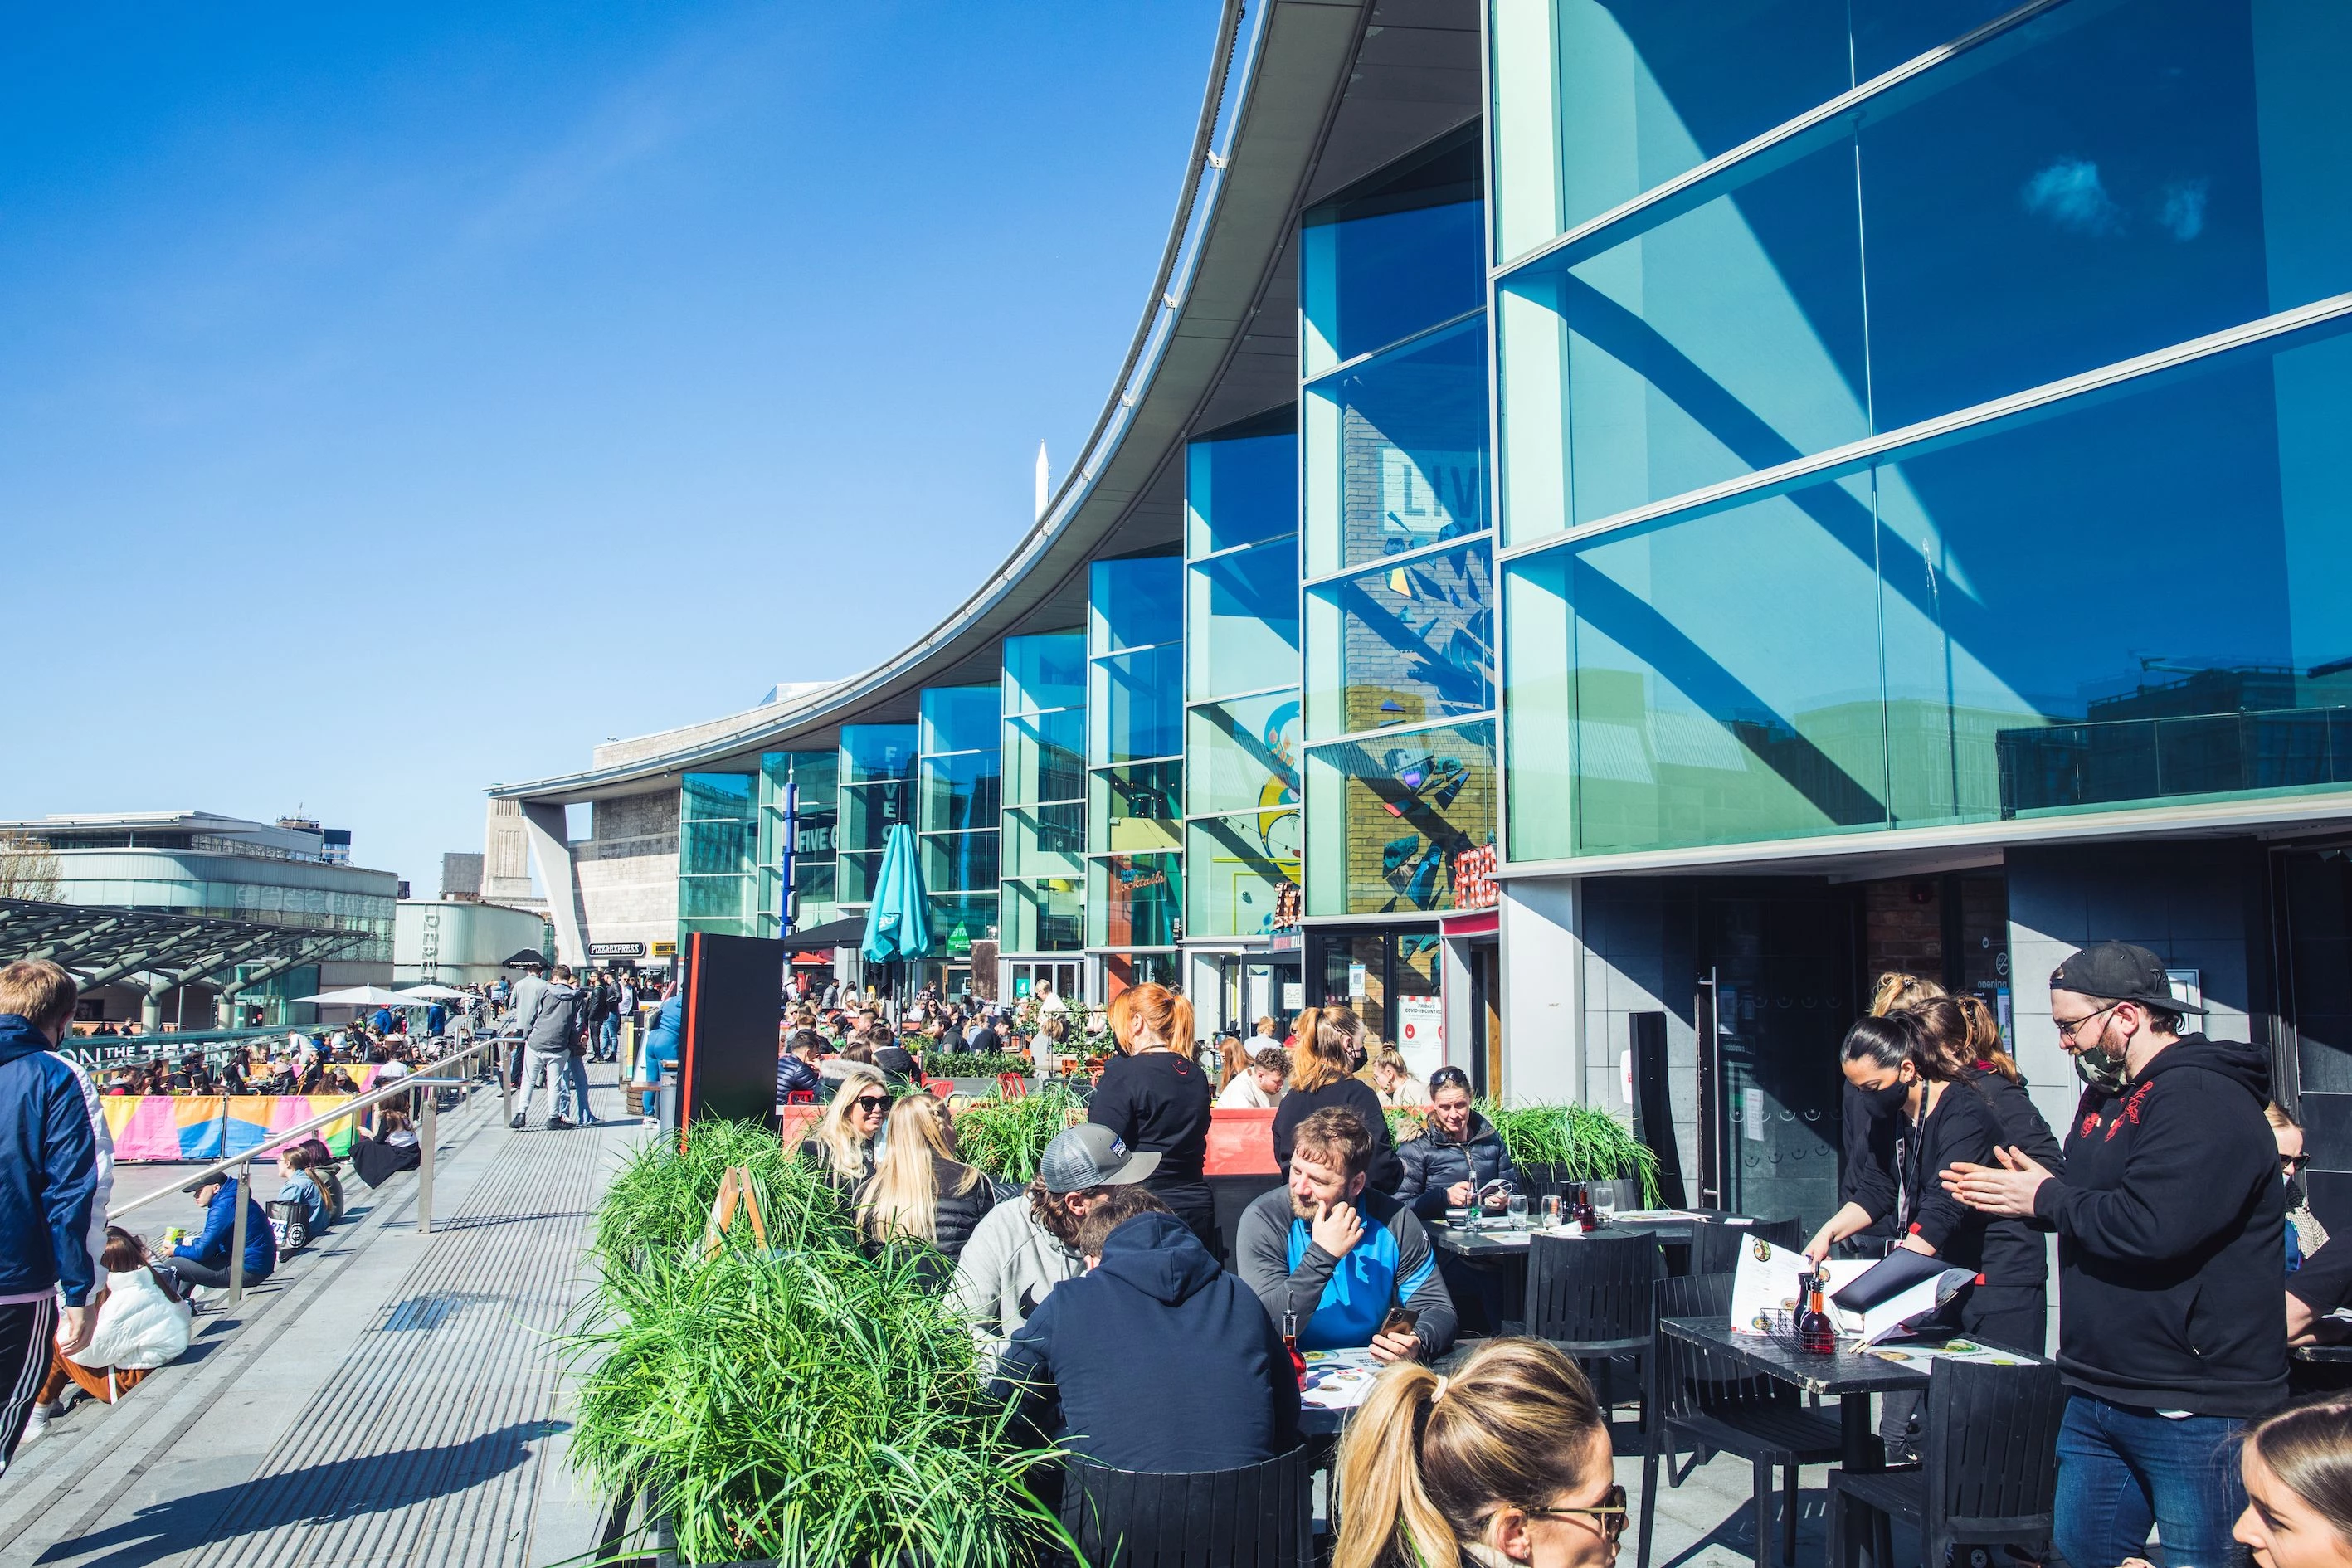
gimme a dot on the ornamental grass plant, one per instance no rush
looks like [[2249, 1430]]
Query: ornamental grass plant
[[800, 1402], [1007, 1138], [1582, 1144]]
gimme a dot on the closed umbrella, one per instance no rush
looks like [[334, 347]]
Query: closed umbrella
[[897, 924]]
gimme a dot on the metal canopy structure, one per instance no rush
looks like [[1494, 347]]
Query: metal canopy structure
[[103, 944]]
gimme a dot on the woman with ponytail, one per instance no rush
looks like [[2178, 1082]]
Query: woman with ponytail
[[1506, 1462], [1321, 1076], [2011, 1306], [1156, 1098]]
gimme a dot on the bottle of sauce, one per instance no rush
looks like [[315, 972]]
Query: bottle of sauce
[[1290, 1344], [1816, 1334], [1586, 1220]]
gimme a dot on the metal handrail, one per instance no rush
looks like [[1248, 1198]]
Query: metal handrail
[[427, 1133]]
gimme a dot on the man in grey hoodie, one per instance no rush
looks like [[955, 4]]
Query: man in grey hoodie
[[1020, 1251], [549, 1032]]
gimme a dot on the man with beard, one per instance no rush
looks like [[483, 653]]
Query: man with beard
[[1338, 1259]]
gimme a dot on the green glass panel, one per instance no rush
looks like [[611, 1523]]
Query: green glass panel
[[1045, 757], [1235, 868], [1045, 840], [960, 862], [1399, 810], [1402, 645], [869, 812], [1396, 451], [959, 791], [1134, 900], [1137, 705], [1045, 914], [1133, 810], [1242, 755]]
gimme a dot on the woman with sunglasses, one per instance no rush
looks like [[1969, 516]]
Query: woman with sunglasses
[[1509, 1460], [841, 1147]]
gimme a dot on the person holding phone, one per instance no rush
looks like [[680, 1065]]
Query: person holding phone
[[1341, 1258]]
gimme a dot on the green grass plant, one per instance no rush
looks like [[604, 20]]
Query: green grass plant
[[939, 1064], [1587, 1144], [802, 1402], [1007, 1138]]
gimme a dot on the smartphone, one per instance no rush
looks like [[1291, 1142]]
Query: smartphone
[[1399, 1321]]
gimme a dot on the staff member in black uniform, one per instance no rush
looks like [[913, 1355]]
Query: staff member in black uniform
[[1155, 1096], [1870, 1120]]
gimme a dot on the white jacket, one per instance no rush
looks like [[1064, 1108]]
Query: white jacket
[[138, 1325]]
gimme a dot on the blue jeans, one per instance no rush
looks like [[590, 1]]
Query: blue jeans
[[580, 1112], [608, 1039], [2121, 1469]]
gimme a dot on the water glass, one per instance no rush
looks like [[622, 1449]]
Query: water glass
[[1551, 1212], [1516, 1205], [1604, 1200]]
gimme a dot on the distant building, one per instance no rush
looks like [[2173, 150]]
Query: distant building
[[201, 864], [460, 942]]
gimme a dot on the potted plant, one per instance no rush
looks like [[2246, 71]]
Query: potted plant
[[1556, 1146]]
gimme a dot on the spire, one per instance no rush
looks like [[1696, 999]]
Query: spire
[[1045, 479]]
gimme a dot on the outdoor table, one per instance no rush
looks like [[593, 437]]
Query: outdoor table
[[1850, 1376]]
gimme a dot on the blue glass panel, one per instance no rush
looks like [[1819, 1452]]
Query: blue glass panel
[[960, 862], [1136, 707], [1241, 490], [2157, 171], [1416, 642], [869, 812], [1049, 670], [1401, 252], [2204, 516], [959, 791], [1888, 32], [1045, 757], [959, 920], [1242, 754], [960, 718], [1135, 603], [1243, 632], [872, 752], [1408, 465], [1650, 90]]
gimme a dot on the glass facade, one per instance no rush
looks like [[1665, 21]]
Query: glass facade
[[876, 792], [1243, 839], [1045, 820], [717, 856], [2160, 171], [1135, 742], [960, 769], [1399, 646], [813, 777]]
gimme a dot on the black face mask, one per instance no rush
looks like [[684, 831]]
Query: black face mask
[[1886, 1101]]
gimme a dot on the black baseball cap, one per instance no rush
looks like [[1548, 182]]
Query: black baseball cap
[[2120, 972]]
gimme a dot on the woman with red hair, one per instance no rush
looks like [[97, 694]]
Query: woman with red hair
[[1156, 1098]]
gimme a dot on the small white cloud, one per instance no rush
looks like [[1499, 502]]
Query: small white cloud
[[2068, 192], [2183, 216]]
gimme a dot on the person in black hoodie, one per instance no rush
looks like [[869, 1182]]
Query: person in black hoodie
[[1083, 1366], [2170, 1221], [1328, 1040], [1156, 1099]]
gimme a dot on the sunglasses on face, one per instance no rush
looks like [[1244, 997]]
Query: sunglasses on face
[[2293, 1162], [1609, 1518], [872, 1103]]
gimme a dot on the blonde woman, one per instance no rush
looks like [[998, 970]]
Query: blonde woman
[[1505, 1461], [1320, 1069], [1393, 1082], [841, 1148], [919, 1191]]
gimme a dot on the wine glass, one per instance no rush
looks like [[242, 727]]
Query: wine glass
[[1516, 1205], [1604, 1202]]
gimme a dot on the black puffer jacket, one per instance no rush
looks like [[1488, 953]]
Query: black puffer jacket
[[1433, 1163], [960, 1208]]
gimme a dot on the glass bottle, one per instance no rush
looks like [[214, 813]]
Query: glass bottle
[[1290, 1344], [1816, 1334], [1586, 1220]]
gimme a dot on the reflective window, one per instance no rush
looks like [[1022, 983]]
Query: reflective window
[[959, 791], [1242, 754], [1046, 915], [718, 862], [1403, 645], [960, 718], [1045, 840], [1132, 900], [1136, 708], [1243, 633], [1396, 451], [1241, 487], [857, 873], [1235, 866], [1947, 665], [873, 753], [959, 861], [1135, 808], [1135, 603], [2136, 163], [1399, 253], [1401, 810], [1045, 756], [868, 811], [959, 920], [1723, 341], [812, 777], [1045, 671], [814, 885]]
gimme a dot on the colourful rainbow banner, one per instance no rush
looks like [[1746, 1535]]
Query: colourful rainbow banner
[[166, 1127]]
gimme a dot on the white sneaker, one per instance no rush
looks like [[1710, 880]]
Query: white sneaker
[[40, 1424]]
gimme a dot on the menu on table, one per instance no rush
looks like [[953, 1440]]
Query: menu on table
[[1338, 1380]]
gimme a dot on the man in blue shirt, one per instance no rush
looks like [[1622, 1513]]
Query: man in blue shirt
[[1337, 1257]]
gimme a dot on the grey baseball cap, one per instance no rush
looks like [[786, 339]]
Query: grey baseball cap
[[1091, 1155], [2120, 972]]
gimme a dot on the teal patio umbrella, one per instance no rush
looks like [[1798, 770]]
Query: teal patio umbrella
[[897, 924]]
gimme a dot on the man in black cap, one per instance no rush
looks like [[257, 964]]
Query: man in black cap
[[2170, 1231]]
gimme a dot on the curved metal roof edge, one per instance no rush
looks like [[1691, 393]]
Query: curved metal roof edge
[[1231, 75]]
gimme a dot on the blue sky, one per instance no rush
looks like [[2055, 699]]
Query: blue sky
[[395, 400]]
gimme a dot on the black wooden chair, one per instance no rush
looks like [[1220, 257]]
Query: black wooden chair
[[1715, 1247], [1712, 1404], [1989, 1476], [1257, 1517], [1590, 1296]]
